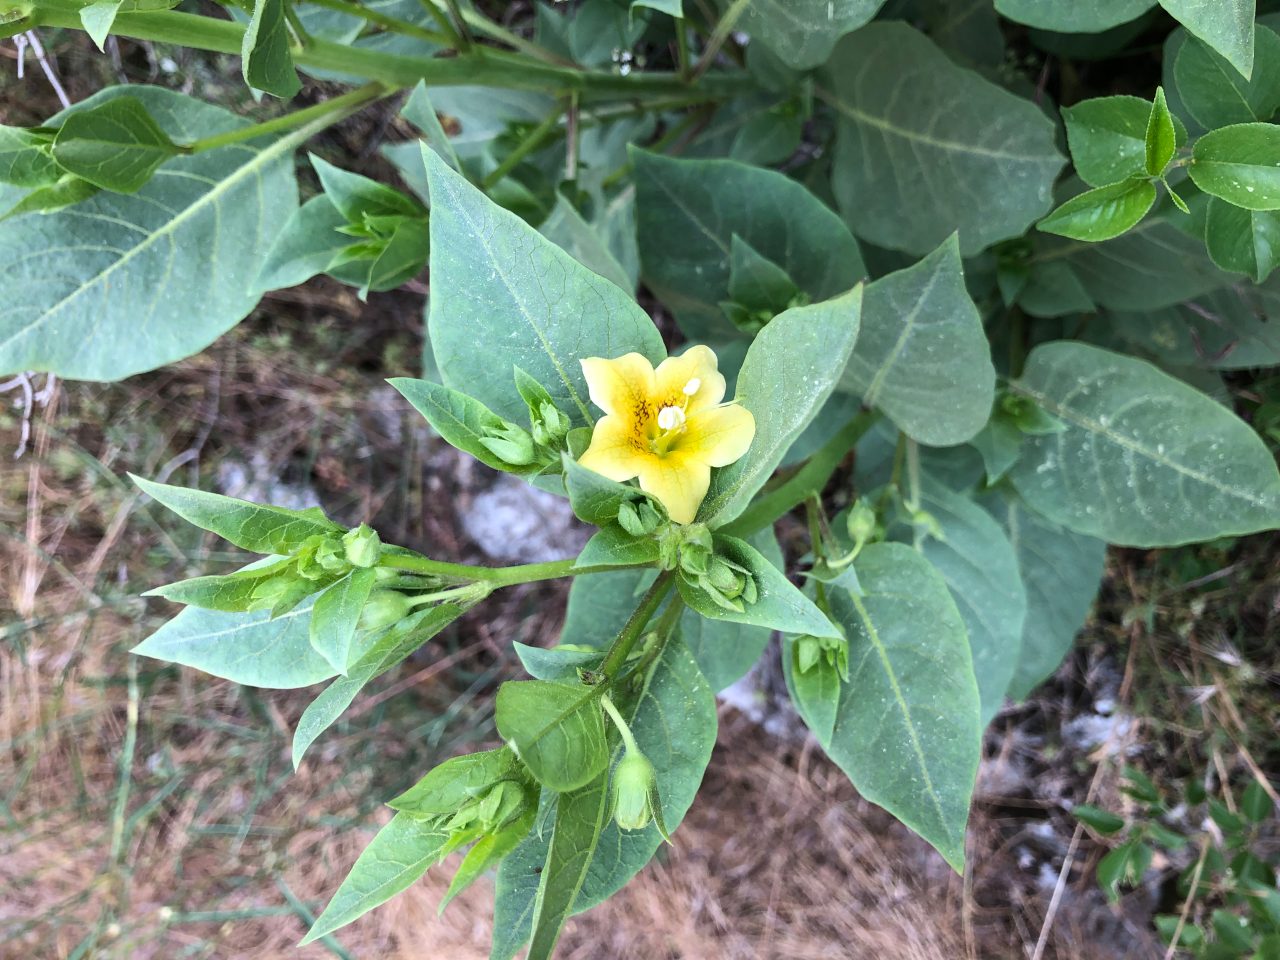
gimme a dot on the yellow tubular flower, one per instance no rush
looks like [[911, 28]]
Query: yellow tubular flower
[[666, 426]]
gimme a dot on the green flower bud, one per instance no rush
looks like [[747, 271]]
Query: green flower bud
[[555, 423], [383, 608], [635, 792], [332, 556], [724, 579], [808, 650], [510, 444], [363, 546], [861, 522]]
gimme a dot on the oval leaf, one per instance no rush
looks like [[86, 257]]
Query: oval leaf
[[557, 729], [1240, 164], [1102, 214], [1216, 94]]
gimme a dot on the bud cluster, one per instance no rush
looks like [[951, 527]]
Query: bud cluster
[[691, 550]]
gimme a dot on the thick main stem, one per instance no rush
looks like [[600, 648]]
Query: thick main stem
[[621, 648], [498, 576], [336, 108]]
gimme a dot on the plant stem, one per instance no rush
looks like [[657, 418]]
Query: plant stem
[[682, 49], [338, 107], [809, 479], [535, 139], [719, 36], [620, 649], [393, 24], [439, 16], [464, 35], [624, 731], [498, 576]]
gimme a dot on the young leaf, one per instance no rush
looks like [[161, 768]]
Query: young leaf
[[1161, 137], [815, 691], [790, 370], [355, 195], [250, 648], [1061, 572], [251, 526], [1103, 821], [67, 191], [596, 499], [556, 663], [689, 211], [613, 546], [779, 606], [1103, 213], [232, 593], [911, 696], [115, 145], [336, 614], [385, 652], [925, 148], [757, 282], [457, 780], [1240, 164], [402, 259], [460, 420], [25, 160], [505, 296], [393, 861], [129, 267], [1077, 16], [1242, 241], [1108, 137], [266, 61], [922, 356], [1216, 95], [1145, 460], [420, 111], [557, 729], [1225, 25], [97, 19]]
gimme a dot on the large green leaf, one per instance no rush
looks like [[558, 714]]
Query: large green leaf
[[980, 568], [922, 356], [1240, 164], [105, 289], [115, 145], [249, 648], [804, 32], [1225, 25], [568, 230], [689, 212], [1074, 16], [908, 730], [1228, 329], [790, 370], [1215, 93], [504, 296], [556, 728], [673, 718], [1061, 573], [925, 148], [393, 861], [1145, 460]]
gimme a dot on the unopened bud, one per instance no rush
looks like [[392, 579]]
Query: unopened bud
[[634, 789], [332, 556], [510, 444], [383, 608], [363, 546], [861, 522]]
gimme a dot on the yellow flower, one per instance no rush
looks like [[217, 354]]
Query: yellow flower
[[666, 426]]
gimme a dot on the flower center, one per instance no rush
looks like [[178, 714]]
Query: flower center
[[672, 418]]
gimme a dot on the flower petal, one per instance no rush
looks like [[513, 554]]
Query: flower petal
[[674, 373], [621, 386], [719, 436], [615, 451], [679, 482]]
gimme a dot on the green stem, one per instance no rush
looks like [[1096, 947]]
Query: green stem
[[439, 16], [620, 649], [498, 576], [393, 24], [336, 109], [535, 139], [464, 34], [810, 478], [683, 62], [719, 36], [624, 731], [16, 27], [468, 591]]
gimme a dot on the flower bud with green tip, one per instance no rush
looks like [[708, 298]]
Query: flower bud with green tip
[[638, 517], [383, 608], [831, 652], [320, 558], [550, 426], [861, 523], [363, 546], [510, 444], [633, 794]]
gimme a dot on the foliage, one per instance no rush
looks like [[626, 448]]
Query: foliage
[[901, 285]]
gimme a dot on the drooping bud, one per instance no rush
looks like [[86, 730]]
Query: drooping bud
[[383, 608], [861, 522], [363, 546], [635, 794]]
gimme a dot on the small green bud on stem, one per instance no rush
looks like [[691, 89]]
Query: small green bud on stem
[[363, 546]]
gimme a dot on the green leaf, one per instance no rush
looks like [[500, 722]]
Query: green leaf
[[566, 228], [1108, 137], [1145, 460], [672, 8], [1104, 821], [911, 696], [67, 191], [1225, 25], [1061, 572], [1228, 329], [336, 614], [97, 19], [356, 196], [922, 356], [504, 296], [267, 63], [980, 568], [925, 148], [1162, 136], [814, 691], [249, 648], [557, 729], [457, 780], [305, 246], [460, 420], [115, 277], [756, 281], [673, 718], [1255, 803], [1000, 443], [804, 32], [580, 817], [232, 593], [790, 370], [401, 259], [421, 112], [596, 499], [1103, 213], [1242, 241], [1240, 164], [25, 160], [613, 546], [393, 646], [1076, 16], [115, 145], [393, 861], [688, 213], [779, 606], [1214, 92], [251, 526], [556, 663]]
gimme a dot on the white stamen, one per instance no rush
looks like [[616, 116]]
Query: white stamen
[[692, 387], [670, 418]]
